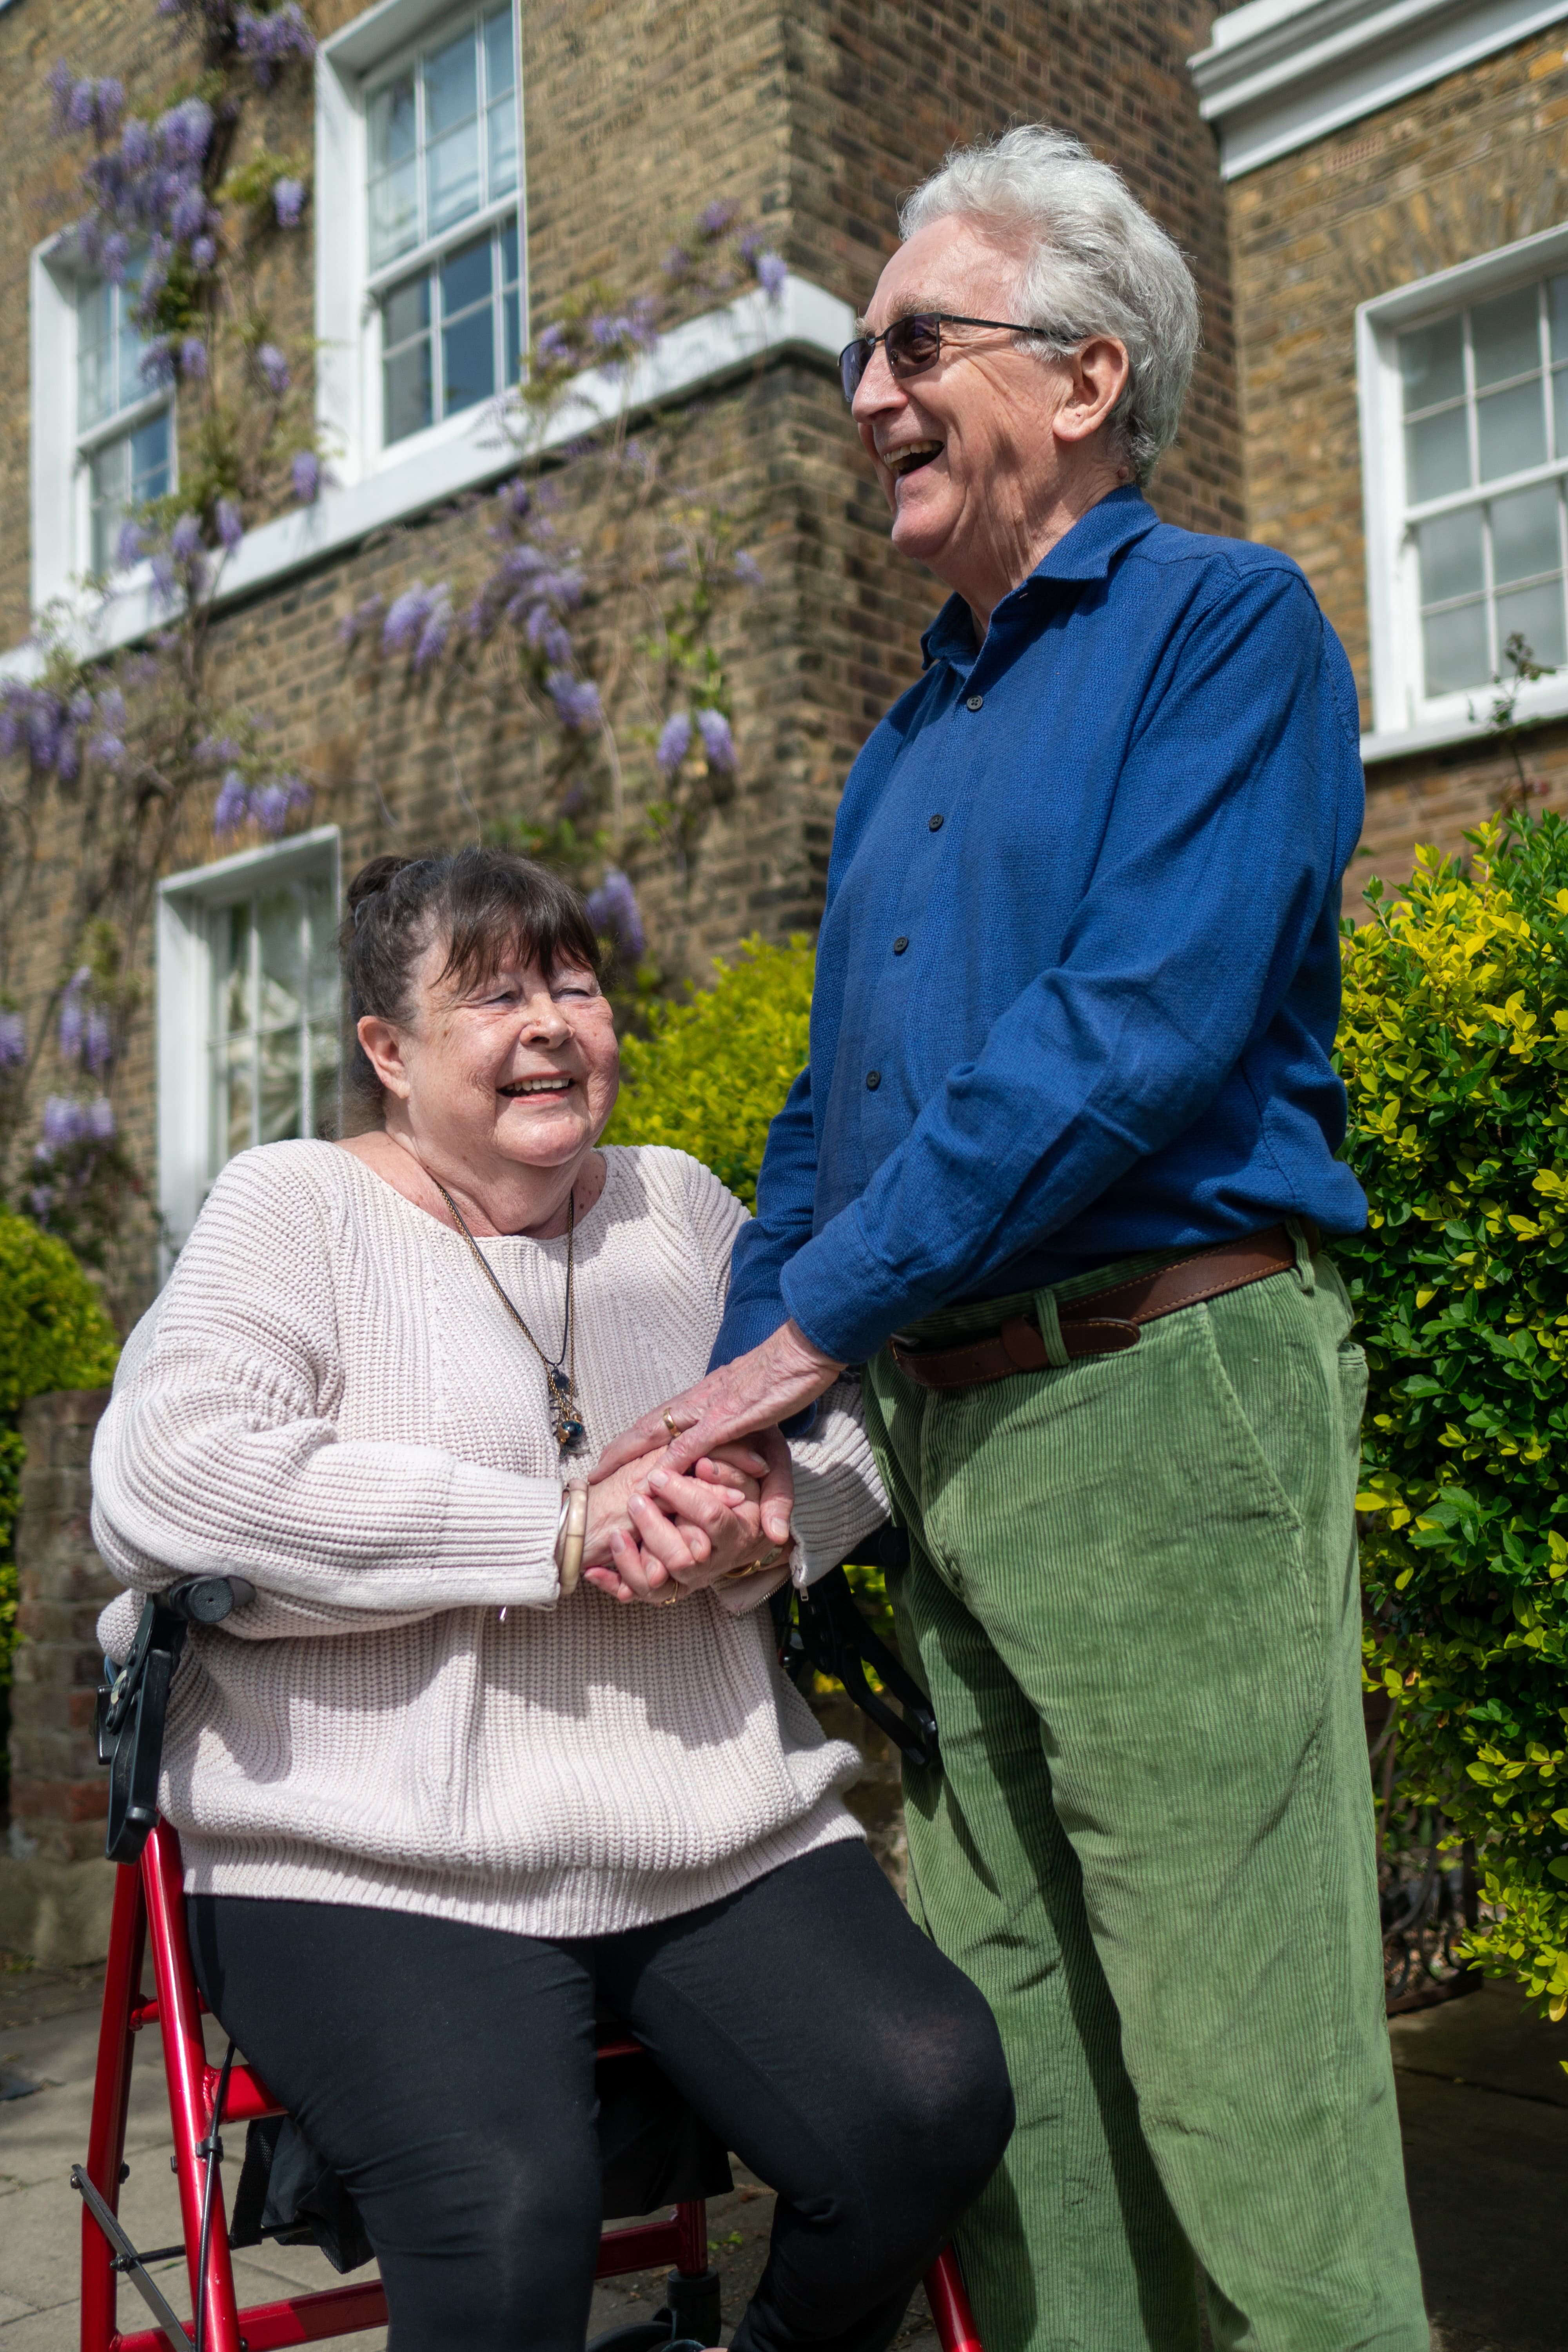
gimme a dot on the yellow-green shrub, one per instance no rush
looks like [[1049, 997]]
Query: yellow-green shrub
[[54, 1334], [710, 1074], [1454, 1047]]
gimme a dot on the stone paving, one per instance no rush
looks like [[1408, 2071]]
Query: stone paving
[[1483, 2095]]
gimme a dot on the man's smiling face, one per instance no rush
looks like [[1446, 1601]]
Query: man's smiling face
[[967, 453]]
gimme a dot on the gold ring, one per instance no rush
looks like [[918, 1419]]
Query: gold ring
[[672, 1424]]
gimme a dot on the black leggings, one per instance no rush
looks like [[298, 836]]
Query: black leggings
[[446, 2071]]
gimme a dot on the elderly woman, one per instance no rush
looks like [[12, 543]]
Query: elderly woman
[[438, 1808]]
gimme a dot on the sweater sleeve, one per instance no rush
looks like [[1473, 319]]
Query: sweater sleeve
[[219, 1450]]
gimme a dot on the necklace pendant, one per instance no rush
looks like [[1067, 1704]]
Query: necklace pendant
[[569, 1433]]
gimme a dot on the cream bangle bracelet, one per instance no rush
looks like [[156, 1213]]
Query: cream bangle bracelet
[[570, 1530]]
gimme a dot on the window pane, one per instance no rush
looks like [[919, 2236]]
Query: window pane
[[131, 383], [1456, 649], [466, 278], [469, 360], [322, 979], [1450, 552], [280, 1089], [1559, 412], [391, 124], [1437, 455], [501, 121], [513, 362], [234, 971], [499, 74], [1524, 535], [405, 310], [1511, 431], [1432, 362], [95, 353], [1505, 337], [406, 384], [451, 86], [1536, 615], [452, 177], [105, 496], [278, 923], [234, 1106], [393, 214], [150, 458], [1557, 315], [509, 254]]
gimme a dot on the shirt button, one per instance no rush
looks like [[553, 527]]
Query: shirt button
[[934, 823], [873, 1080], [975, 702], [899, 944]]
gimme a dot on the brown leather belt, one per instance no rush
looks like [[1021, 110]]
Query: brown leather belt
[[1087, 1329]]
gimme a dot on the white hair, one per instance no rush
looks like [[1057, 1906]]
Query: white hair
[[1096, 263]]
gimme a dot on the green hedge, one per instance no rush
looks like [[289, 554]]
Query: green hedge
[[1454, 1047], [710, 1074], [54, 1334]]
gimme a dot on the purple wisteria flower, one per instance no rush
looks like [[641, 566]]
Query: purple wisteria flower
[[269, 40], [233, 804], [131, 546], [98, 1046], [190, 215], [13, 1040], [771, 273], [156, 365], [273, 369], [576, 700], [85, 105], [289, 201], [185, 538], [677, 262], [99, 1120], [73, 1015], [553, 348], [230, 524], [366, 618], [271, 804], [748, 571], [193, 359], [717, 740], [136, 147], [41, 1200], [203, 251], [613, 909], [406, 617], [165, 586], [64, 1123], [217, 752], [437, 628], [108, 748], [306, 472], [674, 742], [715, 218]]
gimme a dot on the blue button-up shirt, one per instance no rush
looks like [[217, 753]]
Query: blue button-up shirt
[[1079, 977]]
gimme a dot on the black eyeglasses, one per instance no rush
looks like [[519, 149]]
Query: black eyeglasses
[[913, 345]]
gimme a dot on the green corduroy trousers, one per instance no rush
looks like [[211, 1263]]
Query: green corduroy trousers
[[1132, 1595]]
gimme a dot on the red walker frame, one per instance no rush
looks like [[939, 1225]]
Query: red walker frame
[[149, 1898]]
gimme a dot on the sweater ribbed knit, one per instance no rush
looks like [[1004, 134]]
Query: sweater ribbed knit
[[328, 1399]]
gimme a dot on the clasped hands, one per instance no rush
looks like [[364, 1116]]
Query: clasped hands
[[670, 1513]]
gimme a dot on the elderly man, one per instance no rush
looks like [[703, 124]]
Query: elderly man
[[1058, 1176]]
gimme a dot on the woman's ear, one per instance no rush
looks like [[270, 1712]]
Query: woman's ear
[[382, 1044]]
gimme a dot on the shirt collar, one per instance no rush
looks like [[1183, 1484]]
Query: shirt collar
[[1085, 553]]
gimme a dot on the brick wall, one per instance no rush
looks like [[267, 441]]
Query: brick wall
[[1473, 162], [58, 1790]]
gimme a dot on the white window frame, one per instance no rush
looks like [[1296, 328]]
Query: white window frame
[[348, 366], [61, 518], [1404, 718], [188, 906]]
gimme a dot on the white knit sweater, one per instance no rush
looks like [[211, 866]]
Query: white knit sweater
[[329, 1399]]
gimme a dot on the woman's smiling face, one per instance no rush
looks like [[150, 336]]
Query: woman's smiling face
[[519, 1067]]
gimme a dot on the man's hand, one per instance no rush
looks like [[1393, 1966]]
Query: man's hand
[[745, 1399]]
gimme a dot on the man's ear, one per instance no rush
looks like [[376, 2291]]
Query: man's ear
[[382, 1044], [1098, 373]]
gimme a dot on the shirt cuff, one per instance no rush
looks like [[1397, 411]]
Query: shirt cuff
[[843, 1298]]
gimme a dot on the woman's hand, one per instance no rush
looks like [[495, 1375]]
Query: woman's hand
[[741, 1400], [685, 1533]]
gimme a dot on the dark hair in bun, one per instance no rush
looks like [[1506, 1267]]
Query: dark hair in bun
[[489, 905]]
